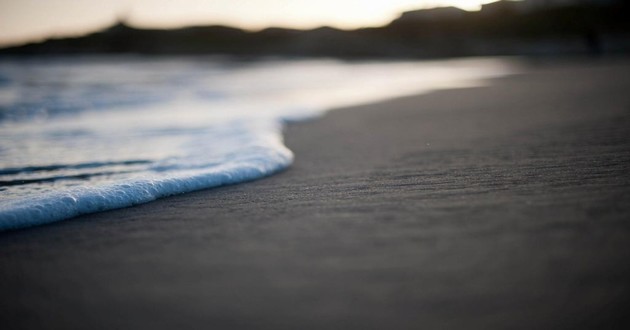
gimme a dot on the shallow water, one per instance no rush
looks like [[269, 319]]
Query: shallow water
[[86, 134]]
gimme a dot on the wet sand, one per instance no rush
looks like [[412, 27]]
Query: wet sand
[[497, 207]]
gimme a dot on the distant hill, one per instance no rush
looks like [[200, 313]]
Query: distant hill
[[500, 28]]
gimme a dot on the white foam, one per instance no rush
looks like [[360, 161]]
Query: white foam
[[174, 176]]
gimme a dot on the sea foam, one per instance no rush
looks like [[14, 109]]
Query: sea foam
[[252, 163], [92, 134]]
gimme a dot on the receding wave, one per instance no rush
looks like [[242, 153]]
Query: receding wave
[[76, 201], [86, 136]]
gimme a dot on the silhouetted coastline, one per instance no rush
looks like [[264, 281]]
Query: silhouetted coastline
[[500, 28]]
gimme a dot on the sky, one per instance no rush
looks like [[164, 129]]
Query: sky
[[30, 20]]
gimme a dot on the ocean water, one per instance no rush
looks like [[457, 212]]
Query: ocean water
[[86, 134]]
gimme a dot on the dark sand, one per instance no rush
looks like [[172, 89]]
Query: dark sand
[[500, 207]]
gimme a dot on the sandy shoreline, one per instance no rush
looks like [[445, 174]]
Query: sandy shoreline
[[504, 206]]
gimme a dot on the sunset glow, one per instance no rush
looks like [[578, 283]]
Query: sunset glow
[[28, 20]]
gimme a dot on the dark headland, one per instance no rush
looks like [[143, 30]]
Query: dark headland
[[500, 28]]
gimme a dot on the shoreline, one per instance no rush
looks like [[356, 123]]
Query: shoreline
[[489, 207], [54, 191]]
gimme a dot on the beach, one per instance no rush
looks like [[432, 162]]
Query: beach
[[503, 206]]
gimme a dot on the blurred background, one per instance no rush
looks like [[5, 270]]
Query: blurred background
[[346, 29]]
